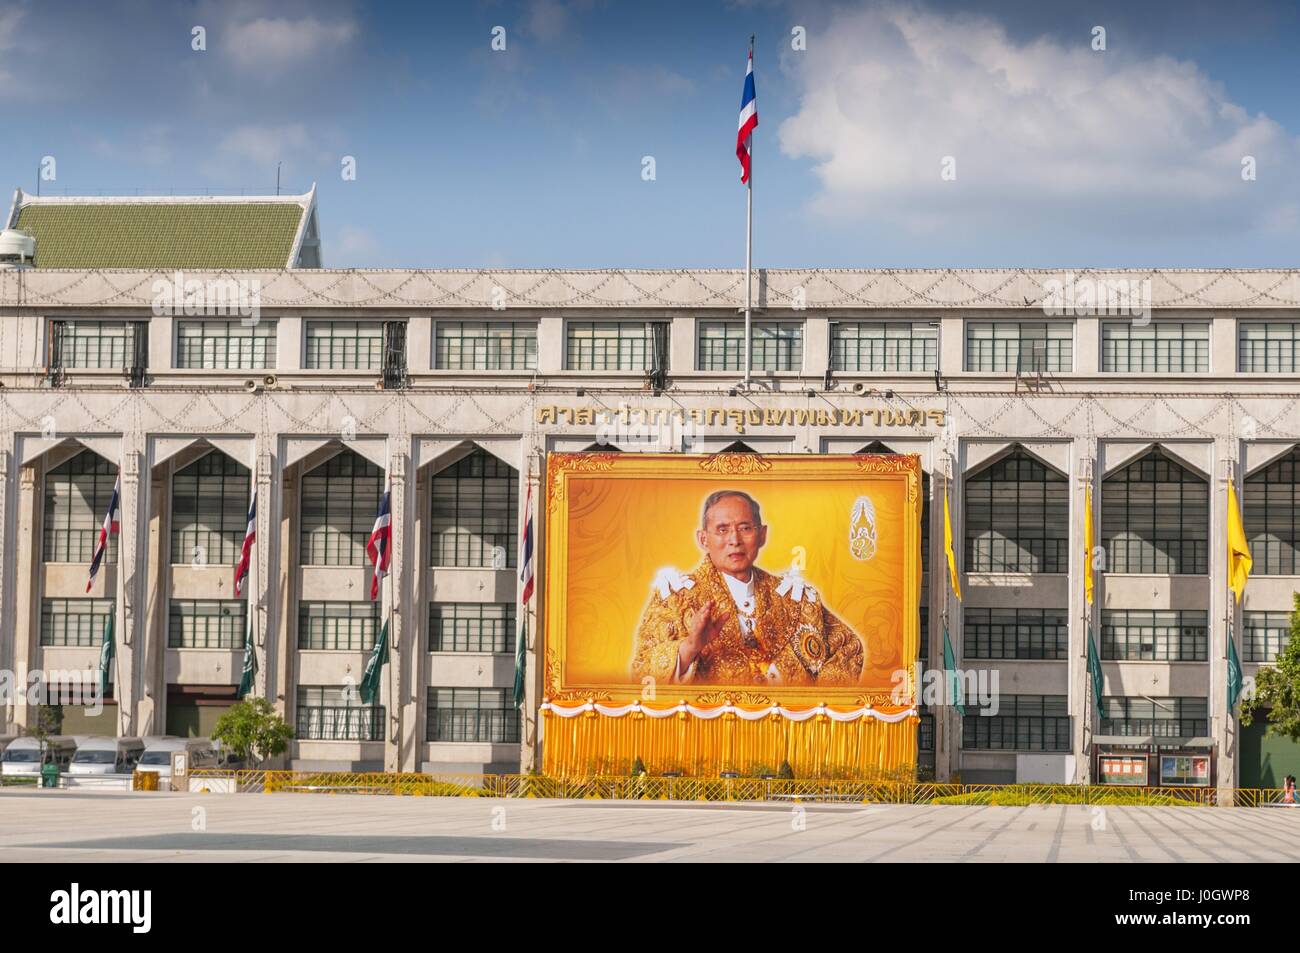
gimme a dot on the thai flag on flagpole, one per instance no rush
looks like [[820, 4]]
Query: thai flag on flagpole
[[241, 571], [380, 545], [112, 525], [526, 553], [748, 119]]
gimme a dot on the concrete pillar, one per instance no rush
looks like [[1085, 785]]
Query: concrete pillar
[[1223, 726], [264, 572], [947, 722], [530, 473], [131, 600], [816, 343], [399, 739], [681, 346], [280, 648], [1079, 694], [952, 345], [27, 580], [154, 616], [7, 544], [1087, 344], [550, 344], [416, 658], [289, 333]]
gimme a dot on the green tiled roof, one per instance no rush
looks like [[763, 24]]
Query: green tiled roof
[[162, 235]]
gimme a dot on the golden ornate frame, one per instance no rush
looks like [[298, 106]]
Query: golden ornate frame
[[560, 467]]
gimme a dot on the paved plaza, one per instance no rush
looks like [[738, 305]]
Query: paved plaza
[[120, 826]]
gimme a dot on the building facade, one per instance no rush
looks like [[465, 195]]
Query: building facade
[[451, 386]]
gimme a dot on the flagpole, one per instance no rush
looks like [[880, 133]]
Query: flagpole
[[749, 241]]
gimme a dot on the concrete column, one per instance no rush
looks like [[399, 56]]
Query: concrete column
[[1087, 344], [550, 344], [289, 333], [153, 634], [947, 721], [419, 346], [1081, 704], [1223, 726], [162, 332], [26, 611], [265, 568], [280, 653], [399, 739], [417, 653], [530, 473], [816, 343], [133, 562], [952, 345], [1223, 345], [936, 562], [681, 347], [7, 544]]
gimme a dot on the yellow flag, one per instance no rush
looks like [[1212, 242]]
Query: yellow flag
[[1087, 546], [1239, 561], [947, 548]]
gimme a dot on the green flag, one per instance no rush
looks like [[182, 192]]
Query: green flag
[[1234, 673], [1094, 669], [374, 668], [950, 670], [521, 650], [249, 675], [106, 656]]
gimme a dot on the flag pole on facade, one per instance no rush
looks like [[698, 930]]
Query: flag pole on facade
[[1239, 565], [949, 656], [525, 596], [248, 672], [745, 153], [379, 548], [1089, 593]]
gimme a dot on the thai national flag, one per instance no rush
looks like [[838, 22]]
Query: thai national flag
[[381, 539], [241, 571], [748, 120], [112, 525], [526, 553]]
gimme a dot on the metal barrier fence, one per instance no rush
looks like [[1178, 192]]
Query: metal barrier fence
[[719, 789]]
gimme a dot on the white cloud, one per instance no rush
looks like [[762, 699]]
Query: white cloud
[[11, 17], [272, 43], [886, 92], [148, 146]]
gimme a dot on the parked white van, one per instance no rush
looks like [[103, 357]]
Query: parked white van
[[23, 757], [106, 756], [158, 755]]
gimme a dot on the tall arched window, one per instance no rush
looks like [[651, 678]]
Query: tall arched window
[[475, 513], [1270, 501], [340, 499], [1155, 518], [77, 493], [1017, 517], [209, 511]]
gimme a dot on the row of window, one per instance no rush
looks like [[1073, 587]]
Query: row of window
[[1042, 723], [1160, 347], [335, 713], [1154, 514], [341, 626], [1175, 635]]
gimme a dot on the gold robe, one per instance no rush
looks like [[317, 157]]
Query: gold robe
[[794, 642]]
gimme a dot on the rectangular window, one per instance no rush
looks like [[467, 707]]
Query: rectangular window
[[1154, 635], [475, 514], [472, 627], [97, 345], [1155, 518], [338, 626], [74, 622], [1019, 347], [345, 345], [485, 346], [1023, 723], [335, 713], [207, 624], [1158, 717], [1162, 347], [226, 345], [485, 715], [774, 346], [1268, 346], [1017, 518], [613, 345], [209, 511], [1266, 634], [882, 346], [1015, 633]]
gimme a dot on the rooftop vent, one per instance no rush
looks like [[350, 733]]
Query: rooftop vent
[[17, 249]]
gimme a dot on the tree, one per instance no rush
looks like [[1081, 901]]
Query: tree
[[253, 729], [1277, 686]]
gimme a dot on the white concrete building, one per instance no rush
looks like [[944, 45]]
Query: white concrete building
[[452, 385]]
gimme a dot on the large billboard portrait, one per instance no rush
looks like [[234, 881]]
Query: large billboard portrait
[[792, 580]]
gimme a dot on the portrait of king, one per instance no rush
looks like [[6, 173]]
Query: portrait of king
[[728, 622]]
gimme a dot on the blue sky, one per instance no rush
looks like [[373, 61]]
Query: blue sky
[[533, 156]]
